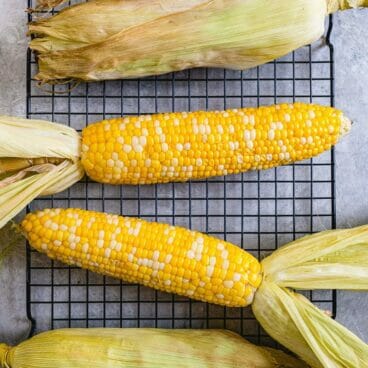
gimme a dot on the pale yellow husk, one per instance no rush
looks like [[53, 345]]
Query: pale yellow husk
[[331, 259], [233, 34], [22, 138], [150, 37], [142, 348]]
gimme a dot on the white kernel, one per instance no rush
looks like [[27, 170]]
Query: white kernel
[[303, 140], [219, 296], [308, 123], [225, 264], [312, 114], [110, 163], [247, 135], [44, 246], [155, 265], [100, 243], [127, 148], [107, 127], [212, 261], [156, 255], [287, 118], [271, 134], [134, 163], [232, 146], [143, 140], [115, 156], [253, 134], [176, 122], [165, 147], [118, 247], [220, 246], [250, 144], [199, 162], [85, 148], [175, 161], [236, 277], [54, 226], [149, 263], [202, 284], [137, 148], [148, 162], [231, 129], [228, 284], [210, 270], [252, 119], [190, 292], [145, 132], [198, 256], [221, 167], [220, 129], [190, 254], [119, 164], [280, 125], [224, 254], [257, 158], [167, 282], [240, 159], [168, 258], [158, 130], [185, 281], [273, 126], [287, 155], [79, 222], [154, 273], [179, 147], [101, 234], [161, 265], [187, 146], [57, 243], [170, 240], [281, 156], [85, 248], [331, 129], [72, 246], [269, 157], [245, 119], [137, 124], [310, 140]]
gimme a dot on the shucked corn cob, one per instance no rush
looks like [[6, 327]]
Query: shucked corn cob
[[142, 348], [160, 148], [149, 37], [189, 263], [164, 257]]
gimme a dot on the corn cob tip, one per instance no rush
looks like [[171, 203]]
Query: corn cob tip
[[335, 5], [346, 125], [4, 356]]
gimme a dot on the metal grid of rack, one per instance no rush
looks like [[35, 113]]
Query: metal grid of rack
[[259, 211]]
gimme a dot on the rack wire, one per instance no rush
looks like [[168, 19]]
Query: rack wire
[[259, 211]]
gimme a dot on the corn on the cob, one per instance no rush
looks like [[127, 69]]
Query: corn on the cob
[[192, 264], [142, 348], [159, 148], [150, 37], [167, 258]]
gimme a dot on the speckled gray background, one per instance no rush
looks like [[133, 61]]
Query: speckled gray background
[[351, 51]]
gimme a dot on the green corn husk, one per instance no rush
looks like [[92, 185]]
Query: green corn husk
[[143, 348], [150, 37]]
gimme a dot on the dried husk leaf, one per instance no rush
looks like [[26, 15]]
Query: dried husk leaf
[[233, 34], [32, 139], [108, 17], [143, 348], [330, 259], [141, 38]]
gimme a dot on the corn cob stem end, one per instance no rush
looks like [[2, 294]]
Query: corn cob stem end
[[335, 5], [4, 356]]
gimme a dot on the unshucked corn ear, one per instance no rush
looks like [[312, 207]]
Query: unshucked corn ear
[[142, 348], [38, 158], [188, 263], [150, 37]]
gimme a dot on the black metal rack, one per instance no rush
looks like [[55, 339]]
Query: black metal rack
[[259, 211]]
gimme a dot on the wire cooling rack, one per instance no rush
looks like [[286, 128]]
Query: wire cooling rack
[[259, 211]]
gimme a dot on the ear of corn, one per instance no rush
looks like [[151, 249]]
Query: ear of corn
[[192, 264], [142, 348], [181, 146], [167, 258], [234, 34], [38, 158]]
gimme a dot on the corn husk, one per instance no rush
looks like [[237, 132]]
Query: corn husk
[[233, 34], [24, 140], [331, 259], [144, 37], [142, 348]]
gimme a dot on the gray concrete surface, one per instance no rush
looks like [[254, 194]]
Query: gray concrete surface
[[352, 191]]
